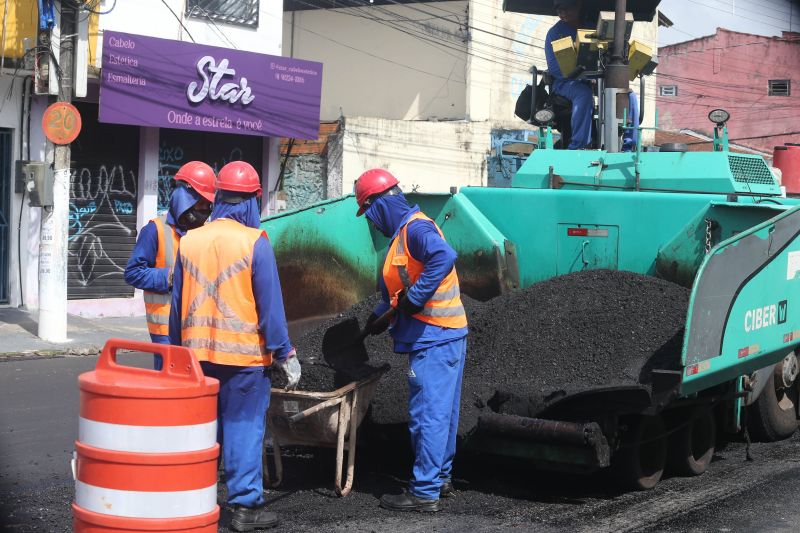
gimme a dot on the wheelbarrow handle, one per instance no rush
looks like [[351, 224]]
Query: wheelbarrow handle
[[315, 409]]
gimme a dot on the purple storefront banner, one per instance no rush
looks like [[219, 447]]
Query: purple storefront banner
[[172, 84]]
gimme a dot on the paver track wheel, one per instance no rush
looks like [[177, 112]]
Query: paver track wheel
[[773, 416], [639, 462], [692, 443]]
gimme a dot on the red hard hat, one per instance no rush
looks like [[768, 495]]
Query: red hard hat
[[239, 176], [200, 176], [372, 182]]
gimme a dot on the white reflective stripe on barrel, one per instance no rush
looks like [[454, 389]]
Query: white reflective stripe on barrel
[[147, 439], [136, 504]]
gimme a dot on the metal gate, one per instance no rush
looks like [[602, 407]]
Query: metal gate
[[5, 211]]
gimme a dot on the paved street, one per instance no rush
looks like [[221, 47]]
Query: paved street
[[38, 424]]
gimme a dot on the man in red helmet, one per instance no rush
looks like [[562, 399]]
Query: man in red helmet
[[151, 264], [420, 281], [227, 307]]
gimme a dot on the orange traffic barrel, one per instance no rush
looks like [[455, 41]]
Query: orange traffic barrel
[[146, 454], [787, 158]]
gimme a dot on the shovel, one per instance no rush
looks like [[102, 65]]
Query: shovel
[[343, 344]]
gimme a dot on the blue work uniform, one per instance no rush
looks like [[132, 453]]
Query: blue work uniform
[[436, 354], [631, 136], [244, 391], [140, 271], [579, 92]]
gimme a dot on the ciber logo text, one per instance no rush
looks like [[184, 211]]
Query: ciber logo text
[[766, 316], [212, 74]]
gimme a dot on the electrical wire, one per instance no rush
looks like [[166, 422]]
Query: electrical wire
[[759, 13], [27, 83], [422, 34], [179, 20], [90, 6]]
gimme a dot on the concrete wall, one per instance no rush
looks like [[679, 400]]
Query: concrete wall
[[395, 62], [424, 156], [732, 71]]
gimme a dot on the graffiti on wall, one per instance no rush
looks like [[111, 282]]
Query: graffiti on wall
[[102, 216]]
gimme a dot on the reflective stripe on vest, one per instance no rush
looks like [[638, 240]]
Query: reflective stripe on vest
[[219, 320], [401, 271], [157, 304]]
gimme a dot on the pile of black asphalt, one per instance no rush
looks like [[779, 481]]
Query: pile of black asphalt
[[529, 349]]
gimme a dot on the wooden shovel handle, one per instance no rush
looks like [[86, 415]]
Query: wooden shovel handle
[[385, 317]]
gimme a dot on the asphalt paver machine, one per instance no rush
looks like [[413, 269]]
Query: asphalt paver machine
[[715, 222]]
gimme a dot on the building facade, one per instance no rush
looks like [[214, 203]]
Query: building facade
[[426, 89], [755, 78], [121, 175]]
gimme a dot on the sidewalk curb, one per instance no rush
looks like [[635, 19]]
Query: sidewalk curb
[[51, 353]]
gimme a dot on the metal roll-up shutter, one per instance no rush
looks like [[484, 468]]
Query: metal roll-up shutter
[[103, 199], [178, 147]]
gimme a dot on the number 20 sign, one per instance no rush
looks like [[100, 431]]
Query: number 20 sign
[[61, 123]]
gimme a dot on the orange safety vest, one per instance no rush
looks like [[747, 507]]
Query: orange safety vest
[[401, 271], [157, 304], [219, 320]]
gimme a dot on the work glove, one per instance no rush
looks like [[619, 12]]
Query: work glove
[[371, 328], [291, 369], [406, 306]]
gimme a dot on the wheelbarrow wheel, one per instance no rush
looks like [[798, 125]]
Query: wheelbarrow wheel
[[692, 443], [773, 416], [638, 463]]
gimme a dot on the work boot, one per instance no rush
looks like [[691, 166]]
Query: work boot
[[408, 502], [446, 490], [252, 518]]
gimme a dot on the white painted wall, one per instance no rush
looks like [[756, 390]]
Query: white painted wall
[[154, 19], [373, 67], [424, 156]]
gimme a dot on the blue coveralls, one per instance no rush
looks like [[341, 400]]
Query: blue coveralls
[[629, 137], [436, 354], [141, 271], [244, 391], [579, 92]]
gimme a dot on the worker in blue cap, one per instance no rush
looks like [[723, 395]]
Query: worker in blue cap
[[579, 92], [430, 325]]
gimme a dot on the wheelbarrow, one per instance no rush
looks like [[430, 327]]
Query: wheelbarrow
[[321, 419]]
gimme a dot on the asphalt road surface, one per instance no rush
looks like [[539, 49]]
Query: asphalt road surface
[[38, 424]]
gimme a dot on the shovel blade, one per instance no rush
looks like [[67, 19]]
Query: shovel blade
[[342, 347]]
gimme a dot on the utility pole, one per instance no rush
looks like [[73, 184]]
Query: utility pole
[[55, 219]]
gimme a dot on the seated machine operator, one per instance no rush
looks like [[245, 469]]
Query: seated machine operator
[[579, 92]]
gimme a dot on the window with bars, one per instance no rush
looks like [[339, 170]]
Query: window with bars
[[668, 90], [238, 12], [780, 87]]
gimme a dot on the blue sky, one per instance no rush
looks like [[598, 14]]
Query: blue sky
[[696, 18]]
